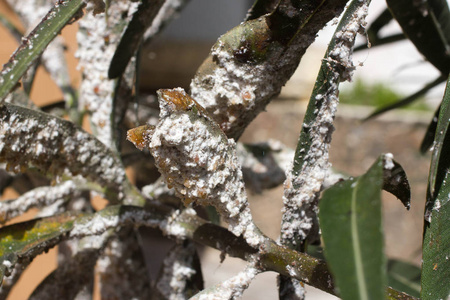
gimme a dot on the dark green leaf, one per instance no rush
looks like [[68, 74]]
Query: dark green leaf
[[382, 41], [428, 139], [404, 277], [436, 244], [436, 247], [35, 43], [350, 218], [440, 163], [426, 24], [408, 100]]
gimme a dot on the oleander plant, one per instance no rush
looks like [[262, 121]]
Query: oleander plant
[[194, 174]]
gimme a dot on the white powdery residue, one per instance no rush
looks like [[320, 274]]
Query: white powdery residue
[[38, 197], [96, 226], [388, 161], [199, 162], [234, 85], [301, 192], [172, 226], [233, 288], [98, 38], [177, 270]]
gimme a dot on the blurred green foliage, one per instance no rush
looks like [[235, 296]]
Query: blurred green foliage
[[377, 95]]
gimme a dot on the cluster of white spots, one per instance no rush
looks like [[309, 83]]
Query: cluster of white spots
[[233, 288], [95, 226], [122, 270], [115, 217], [343, 50], [55, 146], [98, 38], [388, 161], [38, 197], [302, 190], [198, 161], [177, 271], [172, 226], [235, 84]]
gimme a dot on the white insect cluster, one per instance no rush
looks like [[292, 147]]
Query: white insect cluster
[[98, 38], [177, 270], [199, 162], [55, 146], [232, 288], [237, 90], [38, 197], [301, 191]]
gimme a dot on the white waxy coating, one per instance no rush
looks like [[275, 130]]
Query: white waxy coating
[[200, 163], [301, 192]]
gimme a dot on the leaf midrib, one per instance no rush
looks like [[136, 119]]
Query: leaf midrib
[[361, 286]]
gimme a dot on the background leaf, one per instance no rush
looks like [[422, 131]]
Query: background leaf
[[426, 24], [350, 218], [404, 277], [35, 43]]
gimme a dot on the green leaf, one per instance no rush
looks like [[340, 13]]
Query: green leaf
[[404, 277], [426, 24], [428, 139], [408, 100], [436, 244], [436, 248], [440, 163], [35, 43], [350, 218], [28, 239]]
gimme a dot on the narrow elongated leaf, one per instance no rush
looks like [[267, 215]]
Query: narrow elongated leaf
[[436, 247], [440, 163], [436, 244], [23, 241], [28, 239], [34, 44], [425, 23], [13, 30], [428, 139], [350, 218], [57, 147], [408, 100], [404, 277]]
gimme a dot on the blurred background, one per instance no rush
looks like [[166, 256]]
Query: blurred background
[[385, 75]]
